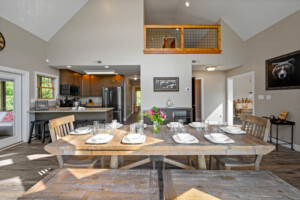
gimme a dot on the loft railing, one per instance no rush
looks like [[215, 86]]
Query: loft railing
[[182, 39]]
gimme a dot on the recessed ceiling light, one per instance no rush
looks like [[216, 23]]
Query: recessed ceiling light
[[69, 66], [211, 68], [187, 4], [106, 66], [104, 72], [135, 78]]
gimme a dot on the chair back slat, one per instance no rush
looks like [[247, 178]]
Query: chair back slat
[[256, 126], [61, 127]]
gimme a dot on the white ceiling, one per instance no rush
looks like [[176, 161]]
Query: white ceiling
[[127, 70], [42, 18], [246, 17]]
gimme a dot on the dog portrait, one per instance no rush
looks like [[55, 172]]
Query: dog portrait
[[283, 72]]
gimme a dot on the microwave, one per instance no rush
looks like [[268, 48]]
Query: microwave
[[69, 90]]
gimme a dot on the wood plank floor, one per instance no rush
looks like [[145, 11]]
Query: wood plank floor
[[23, 165]]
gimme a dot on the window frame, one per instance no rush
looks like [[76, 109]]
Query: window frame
[[54, 85], [40, 88]]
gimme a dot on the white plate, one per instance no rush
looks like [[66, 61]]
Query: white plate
[[219, 138], [118, 125], [81, 132], [185, 138], [140, 140], [82, 129], [145, 125], [233, 130], [171, 125], [202, 125], [100, 139]]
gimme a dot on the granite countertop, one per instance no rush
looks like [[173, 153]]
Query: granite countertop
[[69, 110]]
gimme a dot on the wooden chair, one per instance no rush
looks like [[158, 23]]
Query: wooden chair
[[61, 127], [255, 126]]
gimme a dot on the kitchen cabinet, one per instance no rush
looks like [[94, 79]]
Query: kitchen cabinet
[[112, 81], [66, 77], [77, 79], [95, 85], [86, 85]]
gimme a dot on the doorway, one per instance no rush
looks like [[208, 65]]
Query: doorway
[[240, 97], [197, 99], [10, 109]]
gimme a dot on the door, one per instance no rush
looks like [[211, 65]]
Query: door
[[10, 109], [197, 99]]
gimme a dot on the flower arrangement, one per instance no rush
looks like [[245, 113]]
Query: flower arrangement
[[157, 117]]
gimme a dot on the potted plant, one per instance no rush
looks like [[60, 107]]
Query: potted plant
[[157, 117]]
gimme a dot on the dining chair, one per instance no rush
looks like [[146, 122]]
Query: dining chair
[[256, 127], [61, 127]]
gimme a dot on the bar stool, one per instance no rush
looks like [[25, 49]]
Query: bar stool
[[80, 123], [101, 121], [40, 124]]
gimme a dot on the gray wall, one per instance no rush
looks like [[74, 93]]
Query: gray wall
[[241, 87], [214, 94], [112, 31], [23, 51], [279, 39]]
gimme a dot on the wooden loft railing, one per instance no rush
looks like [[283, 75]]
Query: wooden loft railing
[[182, 39]]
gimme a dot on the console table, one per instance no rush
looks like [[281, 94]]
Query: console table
[[174, 114], [282, 123]]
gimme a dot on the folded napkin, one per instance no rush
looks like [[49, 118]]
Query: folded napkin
[[185, 138], [100, 139], [219, 138], [134, 138]]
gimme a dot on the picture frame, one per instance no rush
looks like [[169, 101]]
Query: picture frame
[[166, 84], [41, 105], [283, 72]]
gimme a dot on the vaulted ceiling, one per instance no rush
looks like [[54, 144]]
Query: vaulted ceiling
[[44, 18], [246, 17]]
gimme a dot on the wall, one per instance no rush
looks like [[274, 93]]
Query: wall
[[214, 94], [23, 51], [241, 87], [277, 40], [112, 31]]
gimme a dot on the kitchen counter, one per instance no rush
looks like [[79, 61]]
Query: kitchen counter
[[70, 110], [87, 114]]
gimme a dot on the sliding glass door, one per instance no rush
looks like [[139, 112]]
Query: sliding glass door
[[10, 109]]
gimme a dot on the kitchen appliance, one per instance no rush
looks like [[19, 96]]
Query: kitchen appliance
[[69, 90], [113, 97], [66, 102]]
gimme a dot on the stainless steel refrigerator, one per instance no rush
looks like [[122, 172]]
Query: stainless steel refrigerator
[[113, 97]]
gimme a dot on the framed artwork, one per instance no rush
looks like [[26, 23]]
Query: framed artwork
[[166, 84], [283, 72]]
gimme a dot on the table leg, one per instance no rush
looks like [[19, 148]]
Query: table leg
[[114, 162], [276, 137], [292, 147], [201, 162]]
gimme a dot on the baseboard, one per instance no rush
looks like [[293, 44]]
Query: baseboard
[[126, 118], [283, 143], [10, 146]]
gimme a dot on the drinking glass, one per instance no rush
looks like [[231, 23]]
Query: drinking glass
[[95, 127], [140, 130], [101, 128], [180, 121], [133, 128], [141, 123]]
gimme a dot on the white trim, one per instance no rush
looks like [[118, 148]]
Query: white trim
[[283, 143], [25, 99], [202, 96], [56, 86], [126, 118], [230, 94]]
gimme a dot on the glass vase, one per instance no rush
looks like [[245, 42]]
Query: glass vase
[[156, 127]]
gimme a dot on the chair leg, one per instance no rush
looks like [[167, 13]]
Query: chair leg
[[153, 164], [43, 132], [102, 162], [211, 162], [31, 132]]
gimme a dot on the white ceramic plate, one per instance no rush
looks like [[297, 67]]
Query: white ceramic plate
[[201, 126], [219, 138], [233, 130], [118, 125], [185, 138], [138, 140], [100, 139], [145, 125]]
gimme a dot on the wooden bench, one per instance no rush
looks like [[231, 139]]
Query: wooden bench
[[96, 184], [213, 185]]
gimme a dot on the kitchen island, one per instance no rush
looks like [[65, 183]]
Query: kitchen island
[[85, 114]]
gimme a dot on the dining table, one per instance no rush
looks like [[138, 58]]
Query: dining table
[[158, 144]]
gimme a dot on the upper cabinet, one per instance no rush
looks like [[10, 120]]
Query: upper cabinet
[[90, 85], [182, 39]]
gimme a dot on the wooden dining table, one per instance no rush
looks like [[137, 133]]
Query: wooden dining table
[[158, 144]]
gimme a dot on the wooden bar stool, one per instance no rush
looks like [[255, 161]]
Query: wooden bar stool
[[42, 133], [79, 123]]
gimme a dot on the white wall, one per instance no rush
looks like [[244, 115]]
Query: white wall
[[241, 87], [214, 93], [112, 31]]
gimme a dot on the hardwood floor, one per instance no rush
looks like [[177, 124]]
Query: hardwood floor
[[23, 165]]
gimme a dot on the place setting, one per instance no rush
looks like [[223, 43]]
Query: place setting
[[214, 134], [180, 134], [136, 134]]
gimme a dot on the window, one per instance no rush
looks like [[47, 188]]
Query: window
[[138, 98], [6, 95], [45, 87]]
